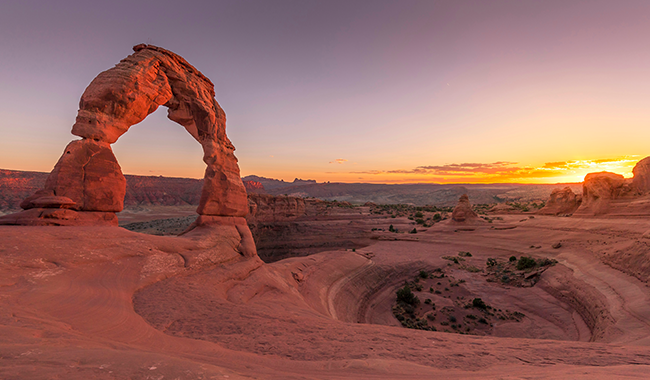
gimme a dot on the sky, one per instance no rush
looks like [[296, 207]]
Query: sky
[[350, 91]]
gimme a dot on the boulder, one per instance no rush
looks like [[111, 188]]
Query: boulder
[[562, 202], [463, 211]]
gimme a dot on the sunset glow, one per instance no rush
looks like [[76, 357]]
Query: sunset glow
[[430, 91]]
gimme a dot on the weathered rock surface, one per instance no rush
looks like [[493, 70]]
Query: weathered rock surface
[[599, 190], [562, 202], [463, 211], [268, 208], [641, 180], [88, 174], [254, 187], [118, 98]]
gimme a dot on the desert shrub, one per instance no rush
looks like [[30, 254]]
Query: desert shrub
[[470, 316], [391, 228], [491, 262], [419, 214], [428, 301], [478, 303], [546, 261], [464, 254], [419, 221], [418, 287], [512, 258], [472, 269], [406, 296], [424, 274], [414, 231], [483, 321], [452, 319], [437, 217], [526, 262]]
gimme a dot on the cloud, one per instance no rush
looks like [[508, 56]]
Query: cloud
[[506, 171], [338, 161]]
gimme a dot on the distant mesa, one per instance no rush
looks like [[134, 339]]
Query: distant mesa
[[562, 202], [88, 173], [271, 183], [463, 212]]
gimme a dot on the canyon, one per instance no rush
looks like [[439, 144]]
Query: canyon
[[214, 278]]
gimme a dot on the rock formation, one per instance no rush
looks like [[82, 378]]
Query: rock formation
[[88, 173], [463, 211], [562, 202], [268, 208], [599, 190], [641, 171], [254, 187]]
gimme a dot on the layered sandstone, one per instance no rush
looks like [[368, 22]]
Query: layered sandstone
[[463, 211], [562, 202], [269, 208], [599, 190]]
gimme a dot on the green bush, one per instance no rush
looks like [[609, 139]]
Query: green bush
[[391, 228], [414, 231], [512, 258], [437, 217], [419, 214], [424, 274], [526, 263], [406, 296], [477, 302]]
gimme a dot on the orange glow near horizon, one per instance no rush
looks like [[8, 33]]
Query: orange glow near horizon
[[497, 172]]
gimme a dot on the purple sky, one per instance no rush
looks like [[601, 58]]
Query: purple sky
[[381, 86]]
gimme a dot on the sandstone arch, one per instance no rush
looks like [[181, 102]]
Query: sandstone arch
[[87, 178]]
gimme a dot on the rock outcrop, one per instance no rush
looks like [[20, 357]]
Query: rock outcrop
[[463, 211], [562, 202], [599, 190], [641, 180], [254, 187], [269, 208], [118, 98]]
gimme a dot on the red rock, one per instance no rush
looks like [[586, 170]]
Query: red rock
[[463, 211], [270, 208], [124, 95], [118, 98], [598, 190], [562, 202], [59, 217], [254, 187], [641, 180], [89, 175]]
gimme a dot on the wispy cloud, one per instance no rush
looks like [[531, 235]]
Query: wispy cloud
[[502, 171], [339, 161]]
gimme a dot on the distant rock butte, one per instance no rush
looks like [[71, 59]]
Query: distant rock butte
[[88, 173], [270, 208], [562, 202], [463, 211]]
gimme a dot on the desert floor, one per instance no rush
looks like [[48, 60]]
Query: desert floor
[[107, 303]]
